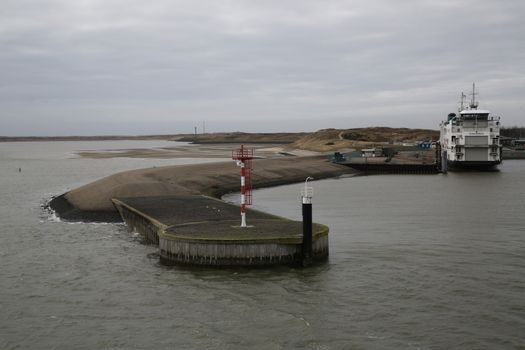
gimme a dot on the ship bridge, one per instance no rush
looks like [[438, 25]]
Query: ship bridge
[[474, 112]]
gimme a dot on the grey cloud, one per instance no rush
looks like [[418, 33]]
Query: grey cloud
[[297, 65]]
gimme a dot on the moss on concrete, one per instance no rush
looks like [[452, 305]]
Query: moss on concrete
[[260, 231]]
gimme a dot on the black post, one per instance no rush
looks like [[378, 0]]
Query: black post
[[307, 234]]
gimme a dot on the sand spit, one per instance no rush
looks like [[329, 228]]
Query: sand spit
[[182, 150], [92, 202]]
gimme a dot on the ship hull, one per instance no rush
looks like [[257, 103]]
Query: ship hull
[[473, 165]]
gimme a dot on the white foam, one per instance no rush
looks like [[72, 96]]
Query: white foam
[[53, 216]]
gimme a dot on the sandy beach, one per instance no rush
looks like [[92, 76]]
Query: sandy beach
[[188, 150]]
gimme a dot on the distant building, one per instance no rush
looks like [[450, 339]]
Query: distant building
[[519, 144], [371, 152], [426, 144], [338, 157]]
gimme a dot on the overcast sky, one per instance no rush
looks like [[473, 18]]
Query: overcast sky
[[85, 67]]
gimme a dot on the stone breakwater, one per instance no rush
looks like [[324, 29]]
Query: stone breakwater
[[93, 202]]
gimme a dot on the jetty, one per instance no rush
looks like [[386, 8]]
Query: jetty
[[200, 230], [407, 162], [381, 166], [179, 209]]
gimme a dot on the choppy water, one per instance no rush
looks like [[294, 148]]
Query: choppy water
[[417, 262]]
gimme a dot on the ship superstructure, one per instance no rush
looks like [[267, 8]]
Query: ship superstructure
[[471, 138]]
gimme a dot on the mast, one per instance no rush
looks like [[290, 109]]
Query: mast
[[473, 102], [462, 105]]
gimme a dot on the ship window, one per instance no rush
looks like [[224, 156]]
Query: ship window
[[459, 129], [490, 129]]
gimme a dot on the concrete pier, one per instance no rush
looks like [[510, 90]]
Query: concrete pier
[[169, 207], [200, 230]]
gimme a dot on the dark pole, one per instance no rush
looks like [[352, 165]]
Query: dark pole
[[307, 194], [307, 234], [444, 165]]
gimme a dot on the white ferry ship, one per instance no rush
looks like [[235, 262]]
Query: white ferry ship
[[470, 139]]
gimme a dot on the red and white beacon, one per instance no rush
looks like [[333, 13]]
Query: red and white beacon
[[243, 156]]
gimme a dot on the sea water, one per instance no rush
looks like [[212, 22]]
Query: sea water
[[416, 262]]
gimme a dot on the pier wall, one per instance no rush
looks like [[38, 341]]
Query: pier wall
[[146, 226], [236, 253], [226, 254], [386, 168]]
